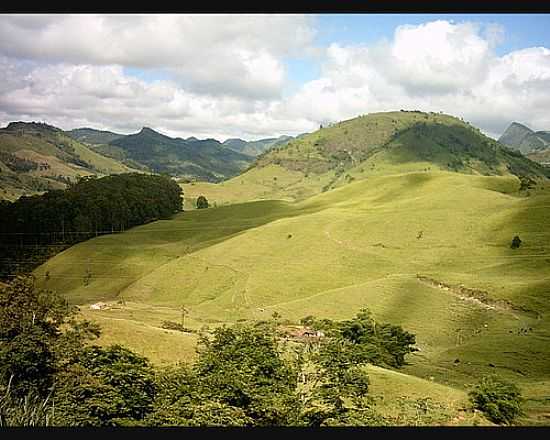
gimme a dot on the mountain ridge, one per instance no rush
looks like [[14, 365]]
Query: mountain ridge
[[520, 137], [37, 157]]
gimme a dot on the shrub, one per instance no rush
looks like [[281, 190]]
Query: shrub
[[499, 400], [516, 242], [171, 325], [202, 202]]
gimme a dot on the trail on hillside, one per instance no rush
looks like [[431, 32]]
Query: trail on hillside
[[478, 297], [246, 277], [325, 292]]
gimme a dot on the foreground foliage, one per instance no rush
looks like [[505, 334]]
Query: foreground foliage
[[245, 375], [500, 400]]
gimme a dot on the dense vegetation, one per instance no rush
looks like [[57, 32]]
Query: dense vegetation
[[245, 375], [499, 399], [86, 209], [203, 159], [202, 202]]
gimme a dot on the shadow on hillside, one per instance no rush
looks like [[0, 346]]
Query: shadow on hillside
[[451, 147]]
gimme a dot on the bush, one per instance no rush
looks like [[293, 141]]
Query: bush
[[499, 400], [516, 242], [202, 202], [171, 325]]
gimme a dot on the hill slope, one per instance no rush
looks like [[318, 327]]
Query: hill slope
[[426, 250], [192, 158], [35, 157], [406, 213], [372, 145]]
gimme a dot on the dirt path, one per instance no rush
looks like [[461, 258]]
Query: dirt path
[[478, 297]]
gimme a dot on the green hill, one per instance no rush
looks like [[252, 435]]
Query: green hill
[[36, 157], [372, 145], [192, 158]]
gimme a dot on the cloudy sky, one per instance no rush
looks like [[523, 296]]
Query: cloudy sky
[[254, 76]]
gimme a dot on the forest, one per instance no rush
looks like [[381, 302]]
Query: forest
[[34, 228]]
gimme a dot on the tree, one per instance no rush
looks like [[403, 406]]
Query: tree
[[109, 386], [500, 400], [202, 202], [516, 242], [184, 312], [32, 345]]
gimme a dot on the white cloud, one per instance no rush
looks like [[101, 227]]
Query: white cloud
[[231, 54], [435, 66], [226, 75]]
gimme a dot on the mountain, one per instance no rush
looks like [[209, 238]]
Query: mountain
[[205, 159], [381, 142], [255, 148], [522, 138], [36, 157], [235, 144], [368, 146], [93, 136]]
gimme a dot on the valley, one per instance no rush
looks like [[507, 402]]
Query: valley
[[330, 255], [414, 223]]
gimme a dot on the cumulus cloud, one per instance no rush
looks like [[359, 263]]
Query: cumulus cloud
[[435, 66], [234, 55], [224, 76]]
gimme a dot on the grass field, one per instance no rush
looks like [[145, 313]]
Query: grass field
[[362, 244]]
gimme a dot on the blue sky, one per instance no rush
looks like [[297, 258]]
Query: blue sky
[[521, 29]]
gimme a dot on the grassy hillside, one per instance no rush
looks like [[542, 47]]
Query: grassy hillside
[[426, 250], [368, 146], [407, 137], [38, 157]]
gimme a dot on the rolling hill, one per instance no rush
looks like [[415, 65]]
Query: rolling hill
[[419, 233], [524, 139], [368, 146], [36, 157]]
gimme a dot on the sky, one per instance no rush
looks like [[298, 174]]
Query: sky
[[254, 76]]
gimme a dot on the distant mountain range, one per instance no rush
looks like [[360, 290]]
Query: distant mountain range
[[36, 157], [255, 148], [533, 144], [203, 159]]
